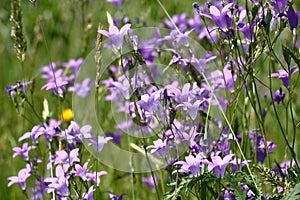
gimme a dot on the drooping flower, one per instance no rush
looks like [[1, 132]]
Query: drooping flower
[[115, 35], [279, 96], [21, 178], [261, 149], [284, 76], [292, 17], [279, 5], [115, 197]]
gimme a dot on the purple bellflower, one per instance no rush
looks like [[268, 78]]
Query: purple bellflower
[[218, 164], [34, 135], [90, 194], [115, 197], [21, 178], [191, 164], [284, 76], [59, 183], [82, 89], [24, 151], [94, 177], [279, 96], [12, 90], [260, 147], [159, 148], [81, 171], [223, 18], [99, 142], [115, 35], [279, 5], [292, 17]]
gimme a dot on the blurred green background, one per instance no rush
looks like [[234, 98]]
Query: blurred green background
[[56, 30]]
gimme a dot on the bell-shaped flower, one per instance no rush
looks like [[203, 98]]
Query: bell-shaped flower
[[115, 35]]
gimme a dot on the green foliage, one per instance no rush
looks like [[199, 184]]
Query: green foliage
[[202, 187], [234, 183], [294, 194]]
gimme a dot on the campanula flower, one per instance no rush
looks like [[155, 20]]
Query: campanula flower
[[191, 164], [292, 17], [279, 96], [24, 151], [12, 90], [21, 178], [218, 164], [223, 18], [115, 35], [284, 76]]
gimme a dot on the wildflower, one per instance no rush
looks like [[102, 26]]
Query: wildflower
[[82, 89], [279, 5], [115, 35], [191, 164], [115, 137], [261, 148], [284, 76], [57, 86], [75, 134], [34, 135], [24, 151], [67, 160], [94, 177], [39, 190], [74, 65], [192, 108], [237, 164], [81, 171], [222, 18], [147, 101], [279, 96], [218, 164], [66, 115], [115, 197], [90, 194], [99, 142], [292, 17], [159, 148], [21, 178], [59, 183], [12, 90], [51, 129]]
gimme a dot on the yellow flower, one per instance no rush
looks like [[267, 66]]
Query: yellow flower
[[66, 115]]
